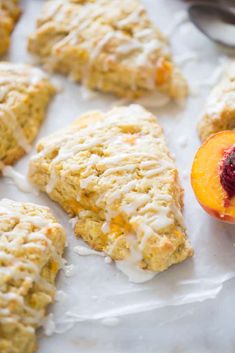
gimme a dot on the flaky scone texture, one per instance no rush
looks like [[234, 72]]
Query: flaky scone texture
[[31, 247], [24, 95], [115, 173], [9, 13], [109, 45], [219, 112]]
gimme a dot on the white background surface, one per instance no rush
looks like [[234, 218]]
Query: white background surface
[[189, 308]]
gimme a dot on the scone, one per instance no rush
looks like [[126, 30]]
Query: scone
[[24, 95], [9, 13], [31, 247], [219, 112], [108, 45], [115, 173]]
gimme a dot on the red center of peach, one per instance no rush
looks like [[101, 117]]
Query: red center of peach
[[227, 172]]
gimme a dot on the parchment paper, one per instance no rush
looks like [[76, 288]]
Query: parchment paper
[[97, 290]]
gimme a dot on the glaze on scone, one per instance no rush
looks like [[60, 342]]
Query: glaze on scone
[[31, 247], [9, 13], [219, 112], [109, 45], [115, 173], [24, 95]]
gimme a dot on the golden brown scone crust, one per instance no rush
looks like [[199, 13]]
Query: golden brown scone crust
[[219, 111], [107, 45], [31, 247], [24, 95], [115, 173], [9, 14]]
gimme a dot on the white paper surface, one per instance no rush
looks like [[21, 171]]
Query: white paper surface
[[97, 290]]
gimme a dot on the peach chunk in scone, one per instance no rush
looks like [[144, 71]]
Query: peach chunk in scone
[[213, 176]]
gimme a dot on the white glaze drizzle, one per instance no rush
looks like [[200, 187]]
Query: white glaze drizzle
[[130, 265], [69, 269], [10, 120], [19, 180], [84, 251], [48, 324], [108, 260], [73, 222]]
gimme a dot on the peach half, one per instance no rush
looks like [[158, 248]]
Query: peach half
[[213, 176]]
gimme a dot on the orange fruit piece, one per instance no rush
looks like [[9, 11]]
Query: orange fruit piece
[[163, 72]]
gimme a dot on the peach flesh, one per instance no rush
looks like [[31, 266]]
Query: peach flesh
[[212, 176]]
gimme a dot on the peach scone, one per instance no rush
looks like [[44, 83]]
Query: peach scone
[[25, 92], [109, 45], [9, 13], [219, 112], [114, 173], [31, 247]]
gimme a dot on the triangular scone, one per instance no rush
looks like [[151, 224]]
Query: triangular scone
[[219, 111], [9, 13], [109, 45], [115, 173], [31, 247], [25, 92]]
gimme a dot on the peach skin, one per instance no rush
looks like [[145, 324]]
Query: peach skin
[[213, 176]]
